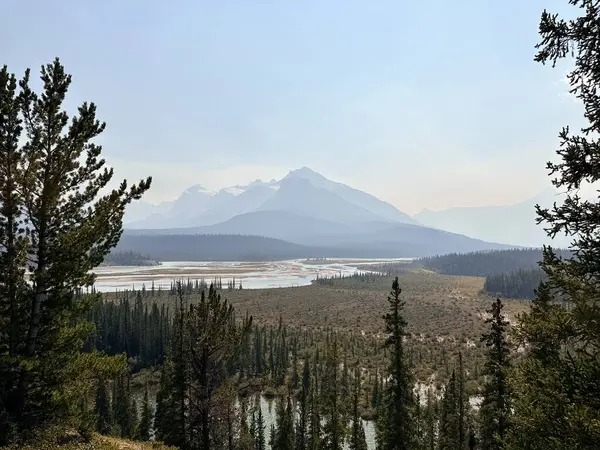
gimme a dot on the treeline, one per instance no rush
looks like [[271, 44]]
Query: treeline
[[482, 264], [131, 327], [129, 258], [213, 247], [341, 279], [520, 283]]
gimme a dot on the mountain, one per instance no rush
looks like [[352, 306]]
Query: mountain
[[312, 236], [300, 196], [179, 247], [514, 224], [304, 212], [302, 191], [369, 202]]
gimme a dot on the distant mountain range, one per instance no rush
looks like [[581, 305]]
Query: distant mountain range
[[304, 214], [514, 224], [302, 191]]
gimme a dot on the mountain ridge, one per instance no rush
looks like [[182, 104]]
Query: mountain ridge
[[514, 223], [197, 206]]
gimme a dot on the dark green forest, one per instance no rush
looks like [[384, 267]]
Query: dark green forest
[[217, 247], [70, 358], [520, 283], [482, 264], [508, 273], [129, 258]]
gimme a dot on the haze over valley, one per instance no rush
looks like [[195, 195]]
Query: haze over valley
[[305, 214]]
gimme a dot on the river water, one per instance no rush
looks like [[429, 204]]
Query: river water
[[252, 275]]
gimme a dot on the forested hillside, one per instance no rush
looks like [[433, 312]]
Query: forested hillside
[[220, 247], [515, 284], [482, 264], [129, 258]]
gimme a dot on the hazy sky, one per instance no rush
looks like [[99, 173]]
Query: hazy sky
[[423, 103]]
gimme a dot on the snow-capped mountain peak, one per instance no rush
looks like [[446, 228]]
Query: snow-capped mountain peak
[[197, 189], [302, 190]]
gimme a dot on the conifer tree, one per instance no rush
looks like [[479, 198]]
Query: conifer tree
[[496, 404], [133, 418], [247, 433], [332, 403], [394, 431], [462, 403], [161, 414], [54, 215], [284, 438], [171, 409], [314, 423], [146, 419], [449, 434], [430, 421], [13, 289], [212, 338], [303, 408], [357, 440], [124, 412], [261, 441], [103, 409], [556, 384]]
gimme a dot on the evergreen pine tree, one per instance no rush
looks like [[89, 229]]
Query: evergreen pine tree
[[261, 441], [146, 419], [124, 414], [13, 289], [449, 434], [557, 394], [303, 409], [103, 409], [394, 431], [430, 421], [314, 422], [462, 403], [54, 180], [284, 438], [133, 418], [212, 339], [332, 403], [357, 439], [496, 404]]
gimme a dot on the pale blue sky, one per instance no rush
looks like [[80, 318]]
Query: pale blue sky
[[423, 103]]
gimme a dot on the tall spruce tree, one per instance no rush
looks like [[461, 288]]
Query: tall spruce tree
[[284, 438], [261, 440], [52, 213], [557, 393], [146, 419], [394, 430], [172, 405], [357, 439], [449, 437], [103, 409], [212, 339], [303, 408], [13, 290], [463, 403], [496, 403], [332, 403], [314, 422]]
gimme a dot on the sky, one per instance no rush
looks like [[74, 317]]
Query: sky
[[424, 104]]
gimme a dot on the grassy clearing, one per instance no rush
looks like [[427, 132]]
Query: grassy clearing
[[97, 442]]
